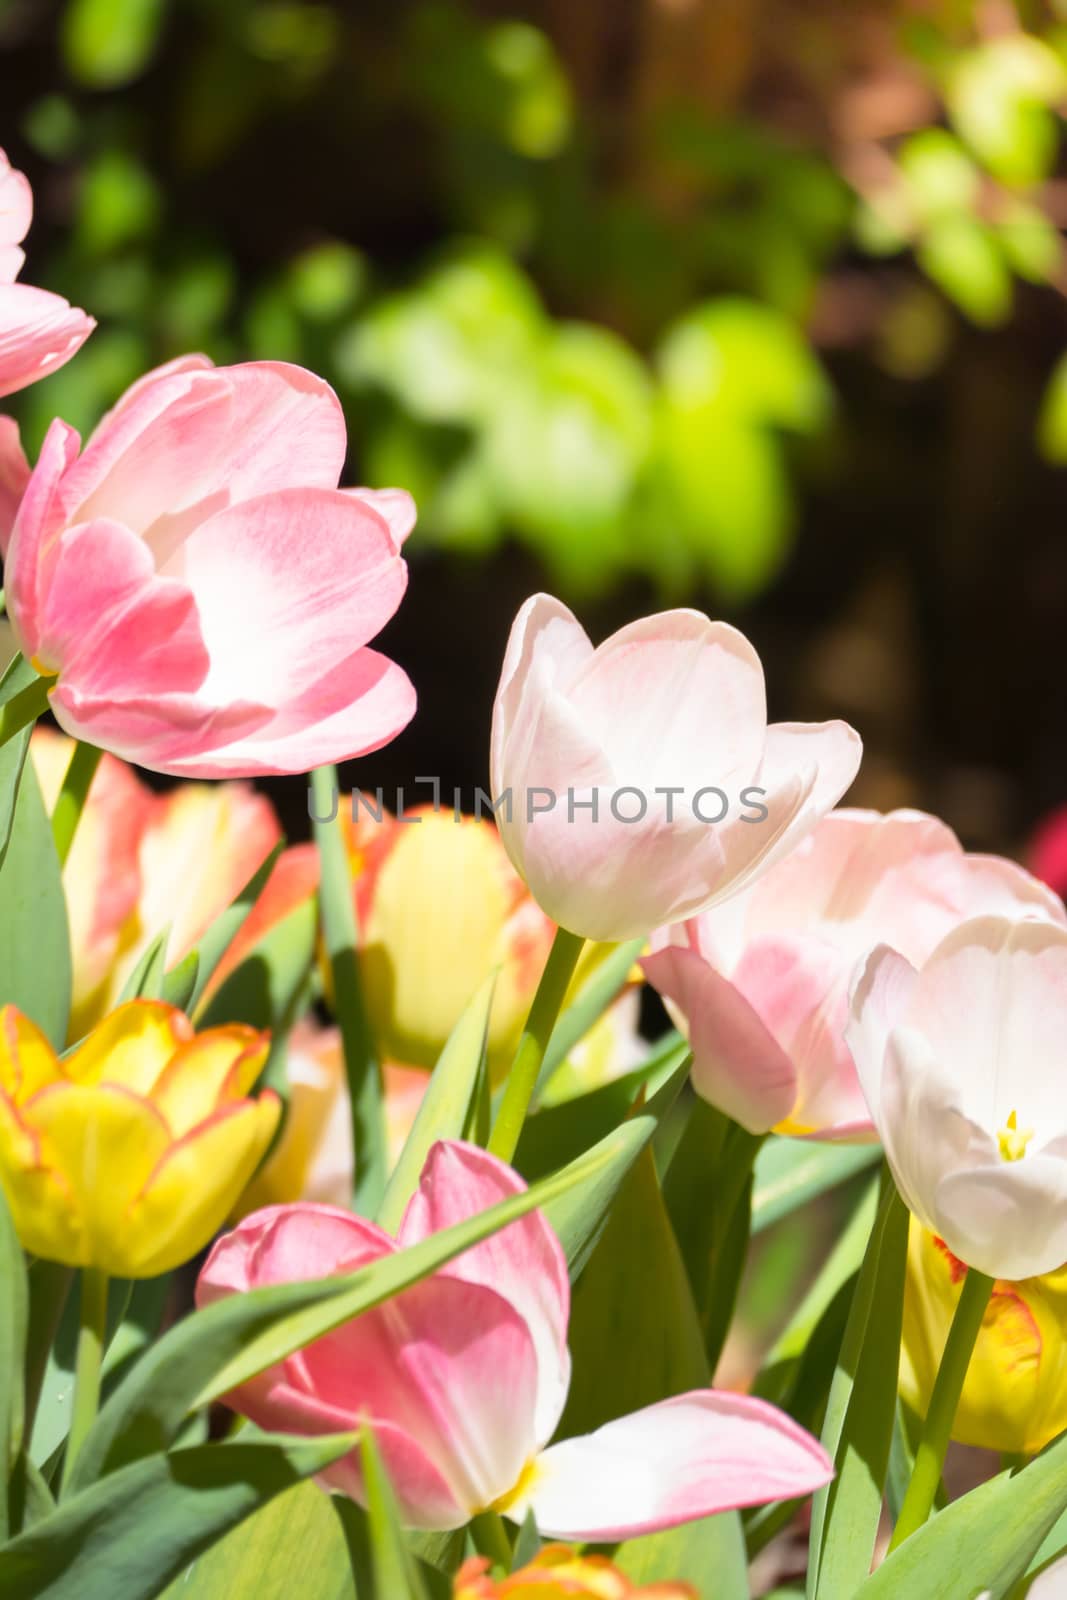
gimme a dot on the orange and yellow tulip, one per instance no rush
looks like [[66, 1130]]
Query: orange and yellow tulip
[[560, 1573], [129, 1154], [1015, 1395]]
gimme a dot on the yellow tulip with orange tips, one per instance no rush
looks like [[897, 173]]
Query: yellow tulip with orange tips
[[1015, 1394], [127, 1155], [560, 1573]]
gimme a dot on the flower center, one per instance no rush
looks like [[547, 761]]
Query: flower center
[[525, 1480], [1013, 1140]]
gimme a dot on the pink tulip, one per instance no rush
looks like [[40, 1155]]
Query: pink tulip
[[200, 586], [761, 985], [463, 1378], [663, 730], [38, 331]]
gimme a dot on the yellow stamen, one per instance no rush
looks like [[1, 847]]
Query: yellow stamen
[[523, 1484], [1013, 1140]]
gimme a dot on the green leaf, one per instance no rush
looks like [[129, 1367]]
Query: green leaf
[[395, 1572], [14, 1316], [748, 362], [981, 1543], [859, 1440], [790, 1172], [446, 1104], [108, 42], [964, 259], [18, 675], [265, 988], [597, 992], [293, 1545], [213, 1351], [35, 966], [709, 1554], [221, 934], [128, 1535], [146, 980], [341, 938], [634, 1336], [1052, 421]]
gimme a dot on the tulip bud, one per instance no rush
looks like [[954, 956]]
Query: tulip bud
[[1015, 1395], [559, 1572]]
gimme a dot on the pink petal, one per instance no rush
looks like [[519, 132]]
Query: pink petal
[[190, 440], [30, 551], [881, 990], [14, 476], [39, 332], [524, 1262], [395, 506], [737, 1063], [544, 636], [16, 205], [673, 1462]]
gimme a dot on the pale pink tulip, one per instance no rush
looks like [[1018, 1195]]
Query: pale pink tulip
[[962, 1067], [200, 586], [38, 331], [463, 1378], [670, 703], [760, 985]]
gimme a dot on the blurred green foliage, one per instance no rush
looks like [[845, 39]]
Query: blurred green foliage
[[563, 301]]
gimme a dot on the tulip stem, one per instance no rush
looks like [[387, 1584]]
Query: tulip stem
[[491, 1539], [941, 1413], [72, 797], [24, 708], [92, 1333], [522, 1079]]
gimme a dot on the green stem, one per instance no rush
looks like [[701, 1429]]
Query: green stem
[[340, 934], [948, 1386], [72, 797], [91, 1336], [522, 1079], [24, 708], [49, 1287], [491, 1539]]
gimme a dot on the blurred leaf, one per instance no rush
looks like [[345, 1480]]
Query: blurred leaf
[[14, 1314], [999, 97], [135, 1530], [326, 281], [941, 176], [18, 675], [1052, 422], [708, 1554], [263, 989], [119, 203], [52, 126], [445, 1106], [745, 362], [1031, 243], [963, 258], [294, 1544], [790, 1172], [106, 43], [634, 1333], [35, 965]]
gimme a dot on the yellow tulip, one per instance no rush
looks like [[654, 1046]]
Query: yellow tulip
[[1015, 1395], [129, 1154], [559, 1573], [439, 907]]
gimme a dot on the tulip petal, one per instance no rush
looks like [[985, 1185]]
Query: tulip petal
[[14, 476], [39, 1198], [16, 205], [215, 1067], [30, 551], [105, 1142], [39, 332], [146, 636], [675, 699], [195, 1184], [190, 440], [289, 1244], [544, 635], [986, 1215], [881, 988], [395, 506], [27, 1060], [687, 1457], [131, 1048], [524, 1262], [738, 1065]]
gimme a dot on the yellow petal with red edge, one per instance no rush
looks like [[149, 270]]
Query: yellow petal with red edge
[[40, 1201], [131, 1047], [197, 1185], [105, 1142], [218, 1066], [27, 1060]]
